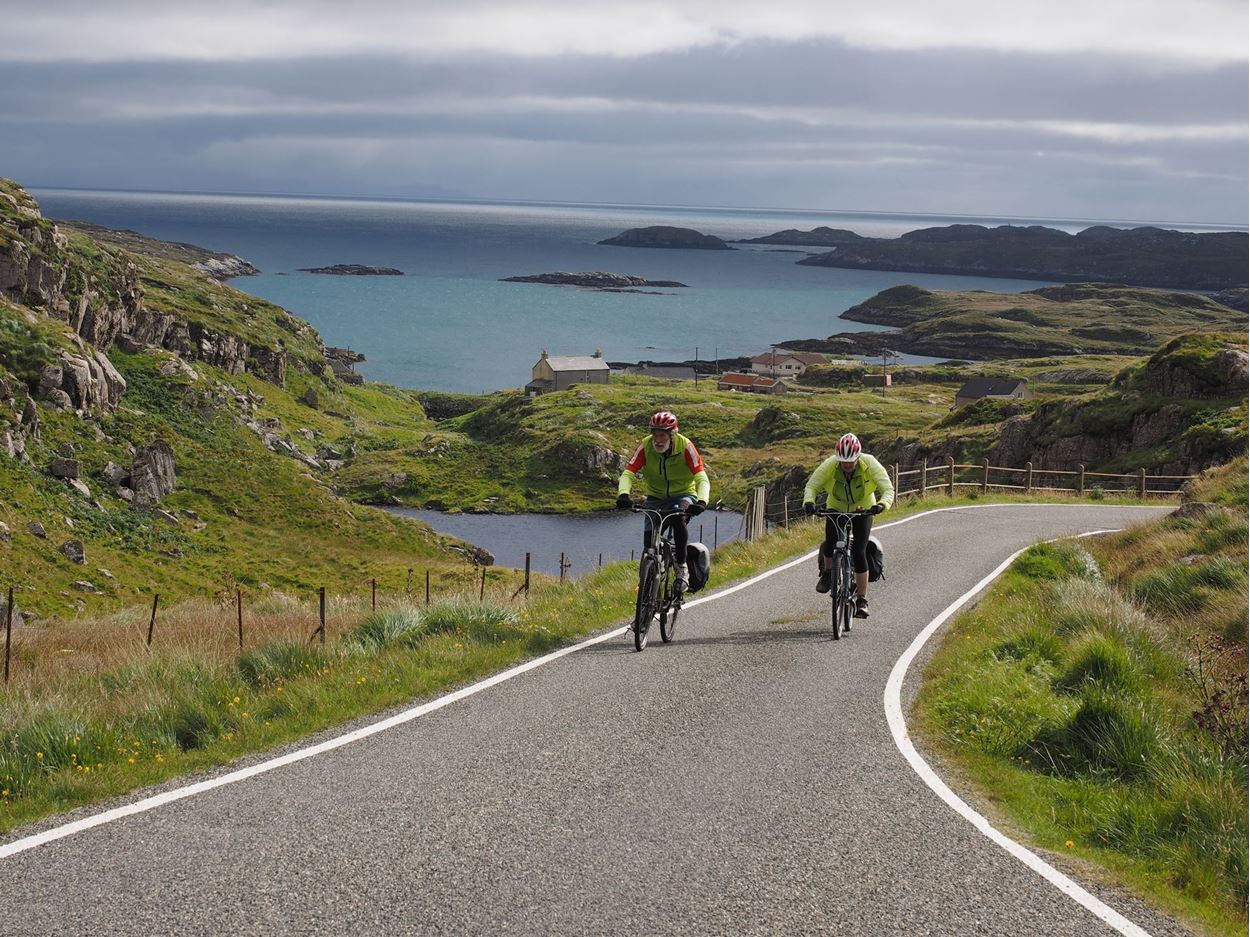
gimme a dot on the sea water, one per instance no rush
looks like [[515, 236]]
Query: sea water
[[450, 324]]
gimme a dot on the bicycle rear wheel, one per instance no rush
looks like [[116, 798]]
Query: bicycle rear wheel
[[668, 614], [645, 606]]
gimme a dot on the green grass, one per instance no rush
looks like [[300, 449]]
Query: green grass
[[1097, 699]]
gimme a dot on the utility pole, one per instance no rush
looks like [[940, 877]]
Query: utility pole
[[696, 367], [774, 367], [716, 355]]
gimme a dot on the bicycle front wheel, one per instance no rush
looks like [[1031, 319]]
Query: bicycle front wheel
[[840, 590], [645, 606]]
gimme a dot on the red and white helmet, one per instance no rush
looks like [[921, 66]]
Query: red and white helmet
[[664, 420], [848, 448]]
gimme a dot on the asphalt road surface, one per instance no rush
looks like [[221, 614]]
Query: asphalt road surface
[[742, 780]]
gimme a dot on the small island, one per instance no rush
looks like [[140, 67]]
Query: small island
[[354, 270], [668, 237], [595, 280]]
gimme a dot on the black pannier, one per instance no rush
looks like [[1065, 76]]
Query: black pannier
[[876, 559], [698, 564]]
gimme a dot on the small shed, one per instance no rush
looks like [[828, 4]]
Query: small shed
[[879, 380], [750, 383], [1000, 388], [556, 372]]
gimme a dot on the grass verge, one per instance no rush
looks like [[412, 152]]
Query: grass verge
[[1097, 699]]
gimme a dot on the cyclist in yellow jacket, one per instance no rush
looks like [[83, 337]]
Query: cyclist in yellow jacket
[[851, 480], [674, 480]]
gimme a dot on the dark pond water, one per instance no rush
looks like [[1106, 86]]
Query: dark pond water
[[582, 538]]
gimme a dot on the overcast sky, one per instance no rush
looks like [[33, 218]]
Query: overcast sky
[[1111, 109]]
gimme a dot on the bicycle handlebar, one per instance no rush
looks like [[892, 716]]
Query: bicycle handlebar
[[825, 512]]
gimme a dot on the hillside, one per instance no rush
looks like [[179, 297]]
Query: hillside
[[107, 357], [1145, 256], [1076, 319]]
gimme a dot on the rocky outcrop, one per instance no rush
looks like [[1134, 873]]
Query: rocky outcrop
[[354, 270], [667, 237], [81, 382], [1145, 256], [595, 280], [152, 476], [343, 363]]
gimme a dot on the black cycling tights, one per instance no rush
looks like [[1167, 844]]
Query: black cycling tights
[[680, 535], [861, 527]]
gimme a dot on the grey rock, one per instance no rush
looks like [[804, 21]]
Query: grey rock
[[37, 529], [59, 400], [83, 585], [114, 473], [107, 574], [65, 468], [65, 450], [6, 534], [1195, 509], [74, 551], [310, 399], [152, 476], [124, 493], [165, 516], [18, 614], [80, 486]]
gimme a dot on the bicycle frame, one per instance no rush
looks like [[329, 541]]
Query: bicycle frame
[[842, 571], [658, 594]]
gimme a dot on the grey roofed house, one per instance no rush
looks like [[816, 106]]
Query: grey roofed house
[[1001, 388], [560, 372], [667, 372]]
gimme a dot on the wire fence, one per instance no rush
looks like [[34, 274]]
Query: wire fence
[[765, 507]]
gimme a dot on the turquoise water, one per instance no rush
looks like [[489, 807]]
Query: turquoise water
[[583, 539], [449, 324]]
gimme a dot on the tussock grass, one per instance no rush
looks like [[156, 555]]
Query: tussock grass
[[1098, 693]]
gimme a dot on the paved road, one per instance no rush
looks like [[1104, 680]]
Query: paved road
[[739, 781]]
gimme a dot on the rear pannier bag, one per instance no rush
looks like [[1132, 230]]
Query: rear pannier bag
[[876, 559], [698, 564]]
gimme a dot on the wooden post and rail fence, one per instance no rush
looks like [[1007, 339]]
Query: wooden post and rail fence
[[951, 477]]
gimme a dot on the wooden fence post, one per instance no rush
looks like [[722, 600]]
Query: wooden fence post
[[950, 480], [715, 532], [985, 476], [238, 603], [373, 594], [924, 476], [427, 587], [481, 593], [1028, 477], [8, 634], [527, 574], [1080, 480], [1141, 483], [894, 478], [152, 623], [322, 629], [562, 566]]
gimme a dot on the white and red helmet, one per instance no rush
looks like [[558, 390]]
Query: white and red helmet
[[665, 420], [848, 448]]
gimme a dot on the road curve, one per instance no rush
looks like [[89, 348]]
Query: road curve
[[742, 780]]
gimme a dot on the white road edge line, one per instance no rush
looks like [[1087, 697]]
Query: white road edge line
[[898, 728], [201, 787]]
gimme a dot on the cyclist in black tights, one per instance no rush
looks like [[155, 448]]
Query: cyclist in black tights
[[851, 480]]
